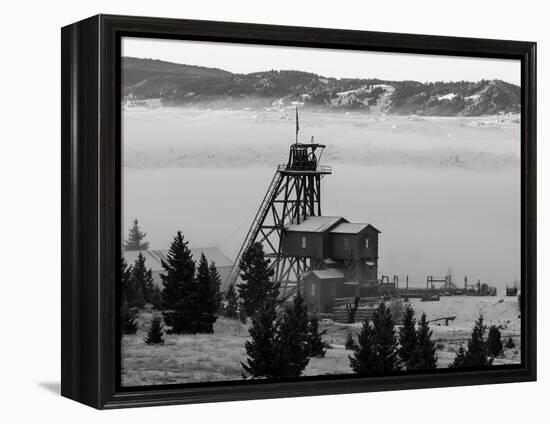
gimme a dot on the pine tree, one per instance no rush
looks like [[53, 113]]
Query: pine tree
[[318, 347], [156, 297], [376, 351], [179, 293], [155, 333], [460, 358], [292, 350], [232, 302], [128, 320], [385, 339], [135, 239], [423, 356], [243, 316], [407, 335], [476, 355], [207, 297], [262, 346], [256, 274], [216, 285], [365, 360], [494, 343], [350, 342], [142, 280], [510, 343]]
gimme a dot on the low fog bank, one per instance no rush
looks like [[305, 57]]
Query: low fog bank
[[181, 137], [444, 192]]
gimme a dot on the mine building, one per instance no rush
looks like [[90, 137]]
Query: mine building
[[343, 257]]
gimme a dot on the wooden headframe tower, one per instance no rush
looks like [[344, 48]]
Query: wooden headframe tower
[[293, 194]]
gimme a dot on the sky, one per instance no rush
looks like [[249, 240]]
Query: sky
[[243, 58]]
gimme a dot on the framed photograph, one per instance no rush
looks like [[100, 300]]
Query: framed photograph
[[254, 211]]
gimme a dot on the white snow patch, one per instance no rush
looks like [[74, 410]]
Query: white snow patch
[[449, 96]]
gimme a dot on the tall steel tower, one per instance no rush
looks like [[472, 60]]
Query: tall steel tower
[[293, 194]]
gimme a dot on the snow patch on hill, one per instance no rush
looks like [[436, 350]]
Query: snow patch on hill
[[449, 96], [375, 97]]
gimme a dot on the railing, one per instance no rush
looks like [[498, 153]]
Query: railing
[[327, 169]]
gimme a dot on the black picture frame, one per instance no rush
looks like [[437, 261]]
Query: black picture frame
[[91, 191]]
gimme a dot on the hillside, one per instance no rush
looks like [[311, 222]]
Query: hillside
[[178, 85], [148, 77]]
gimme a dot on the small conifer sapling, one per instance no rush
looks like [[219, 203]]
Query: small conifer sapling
[[155, 333], [494, 342], [318, 347]]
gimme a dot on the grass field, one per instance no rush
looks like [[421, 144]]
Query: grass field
[[218, 356]]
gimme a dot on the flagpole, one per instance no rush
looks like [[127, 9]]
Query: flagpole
[[297, 125]]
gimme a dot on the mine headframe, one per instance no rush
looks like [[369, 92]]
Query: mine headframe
[[293, 195]]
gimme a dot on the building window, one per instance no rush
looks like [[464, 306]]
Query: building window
[[304, 242], [346, 243], [312, 291], [367, 243]]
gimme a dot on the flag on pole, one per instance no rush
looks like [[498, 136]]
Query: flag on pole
[[297, 124]]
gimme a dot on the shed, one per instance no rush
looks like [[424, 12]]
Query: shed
[[320, 287]]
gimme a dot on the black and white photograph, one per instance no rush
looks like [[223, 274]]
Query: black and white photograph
[[274, 212], [297, 213]]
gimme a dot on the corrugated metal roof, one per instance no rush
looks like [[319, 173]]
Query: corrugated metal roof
[[350, 228], [316, 224], [153, 257]]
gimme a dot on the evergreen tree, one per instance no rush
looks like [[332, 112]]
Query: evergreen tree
[[350, 343], [385, 339], [256, 274], [476, 355], [179, 293], [155, 297], [128, 320], [376, 351], [216, 285], [142, 280], [207, 297], [510, 343], [460, 358], [318, 348], [243, 316], [494, 343], [135, 239], [232, 303], [155, 333], [365, 360], [407, 335], [292, 349], [423, 357], [261, 348]]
